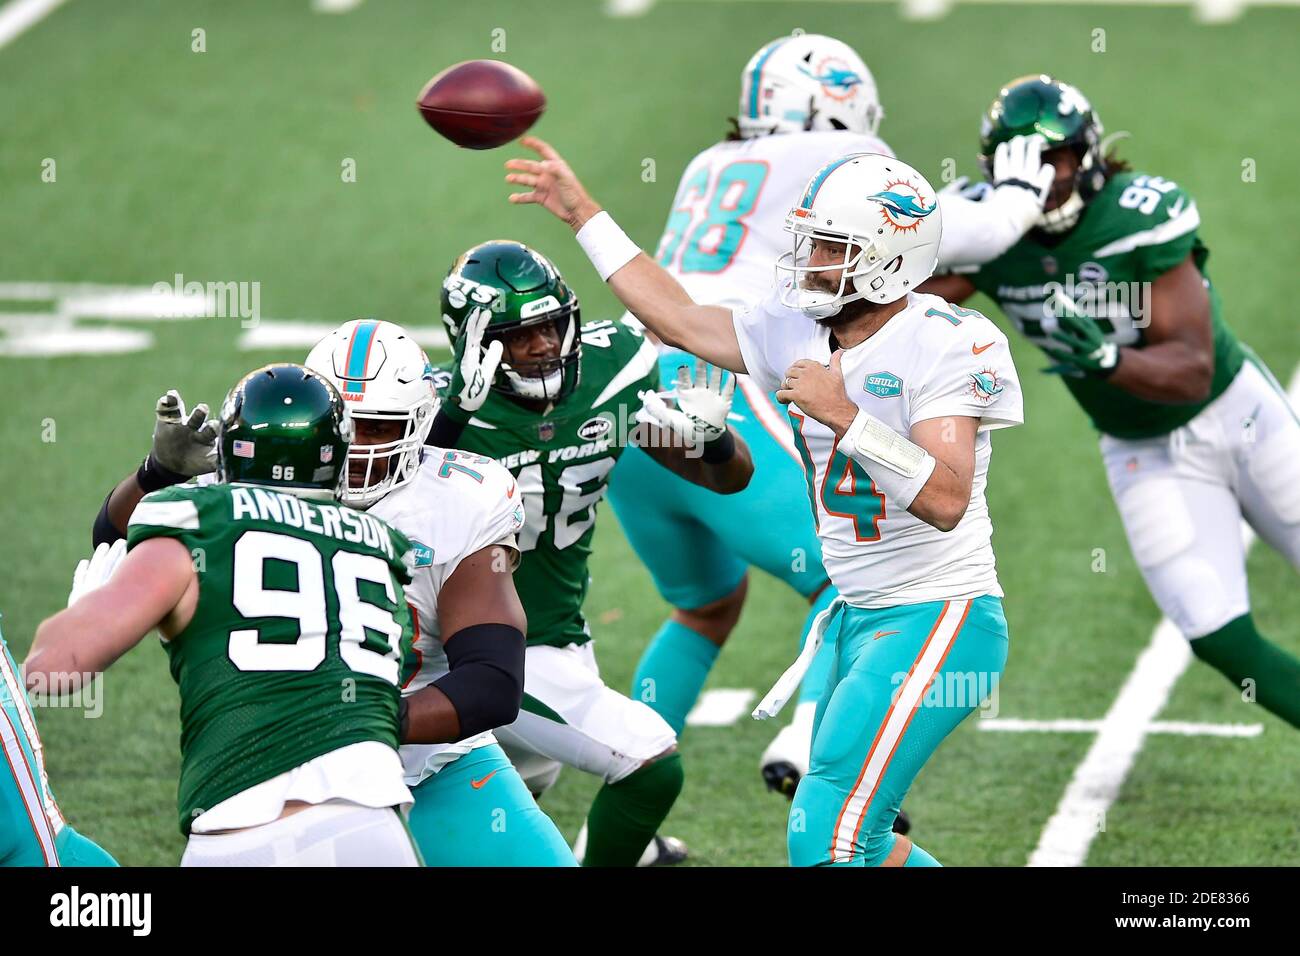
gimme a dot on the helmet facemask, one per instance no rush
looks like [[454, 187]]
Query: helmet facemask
[[388, 465], [862, 261], [549, 379]]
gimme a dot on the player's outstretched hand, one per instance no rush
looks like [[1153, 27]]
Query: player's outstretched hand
[[184, 443], [819, 391], [96, 570], [702, 404], [476, 366], [551, 184], [1019, 163]]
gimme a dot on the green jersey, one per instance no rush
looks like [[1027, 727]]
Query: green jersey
[[297, 638], [562, 460], [1136, 228]]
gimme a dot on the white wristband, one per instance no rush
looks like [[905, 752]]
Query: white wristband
[[606, 245], [898, 466]]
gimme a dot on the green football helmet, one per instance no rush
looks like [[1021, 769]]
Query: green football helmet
[[285, 426], [1063, 117], [521, 288]]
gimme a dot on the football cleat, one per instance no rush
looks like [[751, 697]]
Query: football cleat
[[664, 851], [786, 758], [782, 777], [661, 851]]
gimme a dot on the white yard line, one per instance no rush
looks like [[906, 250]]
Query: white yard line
[[1097, 780], [721, 707], [19, 16], [334, 6], [1072, 726], [287, 333], [1206, 11]]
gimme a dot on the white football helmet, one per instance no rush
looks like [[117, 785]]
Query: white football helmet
[[807, 82], [887, 215], [383, 375]]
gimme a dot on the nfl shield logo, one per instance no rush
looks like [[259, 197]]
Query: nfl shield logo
[[546, 431], [1049, 265], [326, 454], [243, 449]]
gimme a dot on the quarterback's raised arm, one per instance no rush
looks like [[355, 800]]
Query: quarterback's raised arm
[[648, 291]]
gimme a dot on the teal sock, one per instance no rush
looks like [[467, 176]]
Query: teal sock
[[814, 682], [919, 857], [672, 672], [1241, 654], [626, 815]]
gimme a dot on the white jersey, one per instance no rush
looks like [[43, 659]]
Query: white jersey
[[459, 503], [931, 360], [727, 225]]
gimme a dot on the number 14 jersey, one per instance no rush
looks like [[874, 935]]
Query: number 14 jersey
[[931, 360]]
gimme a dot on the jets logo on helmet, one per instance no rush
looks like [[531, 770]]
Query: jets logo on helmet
[[903, 206], [523, 290], [1061, 115], [885, 215], [385, 378], [807, 82]]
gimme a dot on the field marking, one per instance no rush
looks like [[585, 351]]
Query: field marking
[[19, 16], [59, 329], [285, 333], [628, 8], [1096, 782], [1072, 726], [334, 6], [721, 707], [1205, 11]]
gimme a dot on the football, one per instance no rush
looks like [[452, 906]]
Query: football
[[481, 104]]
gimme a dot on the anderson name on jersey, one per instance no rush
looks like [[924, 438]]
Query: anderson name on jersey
[[931, 360], [296, 599], [458, 504]]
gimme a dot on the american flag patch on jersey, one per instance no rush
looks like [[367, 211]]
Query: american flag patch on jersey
[[243, 449]]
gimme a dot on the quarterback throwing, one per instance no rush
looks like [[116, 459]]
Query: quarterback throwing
[[891, 396]]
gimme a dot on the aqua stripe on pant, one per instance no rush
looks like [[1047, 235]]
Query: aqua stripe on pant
[[902, 679], [31, 831]]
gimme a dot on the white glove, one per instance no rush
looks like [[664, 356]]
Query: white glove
[[702, 405], [185, 444], [96, 570], [478, 366], [1018, 163]]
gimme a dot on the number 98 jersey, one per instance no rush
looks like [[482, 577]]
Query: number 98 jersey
[[562, 460], [297, 641], [727, 224]]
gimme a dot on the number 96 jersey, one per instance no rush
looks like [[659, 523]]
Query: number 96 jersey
[[931, 360]]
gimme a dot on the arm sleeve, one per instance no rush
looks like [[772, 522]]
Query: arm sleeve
[[965, 383], [976, 232]]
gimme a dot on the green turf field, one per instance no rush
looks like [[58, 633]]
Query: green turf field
[[226, 165]]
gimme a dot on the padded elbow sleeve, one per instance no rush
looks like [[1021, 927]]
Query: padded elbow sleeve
[[486, 680], [104, 531]]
